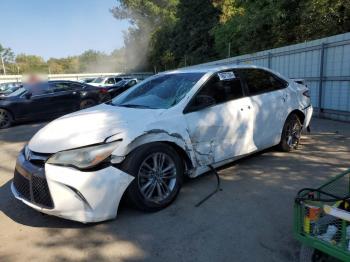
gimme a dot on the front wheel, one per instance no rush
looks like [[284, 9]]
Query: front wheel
[[158, 172], [5, 118], [291, 133]]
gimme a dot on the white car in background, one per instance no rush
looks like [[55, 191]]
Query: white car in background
[[143, 143], [106, 81]]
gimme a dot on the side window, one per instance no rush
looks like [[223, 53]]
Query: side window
[[218, 91], [260, 81], [110, 81], [118, 79], [60, 87], [39, 89], [76, 86]]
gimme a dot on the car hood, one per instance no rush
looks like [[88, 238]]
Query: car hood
[[86, 127]]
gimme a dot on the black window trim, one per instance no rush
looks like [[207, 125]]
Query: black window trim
[[61, 91], [187, 109], [286, 83]]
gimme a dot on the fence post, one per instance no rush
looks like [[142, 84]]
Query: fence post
[[320, 86], [269, 60]]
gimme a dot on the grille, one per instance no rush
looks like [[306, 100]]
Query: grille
[[41, 193], [22, 185], [37, 159], [37, 193]]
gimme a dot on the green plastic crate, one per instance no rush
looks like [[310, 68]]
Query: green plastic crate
[[322, 217]]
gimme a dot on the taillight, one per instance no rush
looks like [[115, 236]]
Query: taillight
[[103, 90], [306, 93]]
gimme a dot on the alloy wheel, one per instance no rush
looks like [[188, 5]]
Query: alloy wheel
[[157, 177], [5, 119], [293, 134]]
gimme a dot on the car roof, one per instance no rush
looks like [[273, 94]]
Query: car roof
[[210, 68], [60, 81]]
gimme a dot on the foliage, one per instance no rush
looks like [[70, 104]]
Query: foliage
[[166, 34]]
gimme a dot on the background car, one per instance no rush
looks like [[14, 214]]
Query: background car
[[106, 81], [120, 87], [47, 100], [7, 88], [87, 80]]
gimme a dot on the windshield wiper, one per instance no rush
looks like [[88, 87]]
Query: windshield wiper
[[135, 106]]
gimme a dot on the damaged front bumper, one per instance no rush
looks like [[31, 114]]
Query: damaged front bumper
[[66, 192]]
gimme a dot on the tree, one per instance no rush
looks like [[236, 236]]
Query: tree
[[146, 18], [192, 31], [6, 57], [31, 64]]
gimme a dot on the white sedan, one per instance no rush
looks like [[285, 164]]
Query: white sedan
[[143, 142]]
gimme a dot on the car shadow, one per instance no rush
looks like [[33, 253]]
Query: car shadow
[[20, 132]]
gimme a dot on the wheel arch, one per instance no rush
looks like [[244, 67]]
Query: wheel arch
[[299, 114], [160, 136], [10, 111]]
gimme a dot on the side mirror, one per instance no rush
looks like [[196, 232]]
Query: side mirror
[[28, 95], [203, 101]]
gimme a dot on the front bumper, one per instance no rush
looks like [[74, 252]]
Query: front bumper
[[76, 195]]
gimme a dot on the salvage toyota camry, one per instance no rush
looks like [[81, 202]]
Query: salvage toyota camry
[[145, 141]]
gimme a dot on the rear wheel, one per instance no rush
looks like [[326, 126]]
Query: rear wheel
[[86, 103], [158, 172], [5, 118], [291, 133]]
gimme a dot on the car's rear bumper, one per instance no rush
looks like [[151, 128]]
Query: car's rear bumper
[[308, 111], [81, 196]]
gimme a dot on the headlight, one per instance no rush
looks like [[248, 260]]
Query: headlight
[[85, 157]]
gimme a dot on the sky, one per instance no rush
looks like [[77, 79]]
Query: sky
[[59, 28]]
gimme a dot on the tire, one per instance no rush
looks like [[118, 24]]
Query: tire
[[86, 103], [6, 119], [152, 190], [308, 254], [291, 134]]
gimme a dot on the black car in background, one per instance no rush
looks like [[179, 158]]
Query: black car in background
[[45, 100], [120, 87]]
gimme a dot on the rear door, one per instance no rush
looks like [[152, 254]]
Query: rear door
[[65, 97], [224, 129], [269, 97]]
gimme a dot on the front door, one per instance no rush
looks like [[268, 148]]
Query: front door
[[222, 129]]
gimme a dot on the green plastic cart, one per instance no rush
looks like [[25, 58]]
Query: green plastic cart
[[322, 217]]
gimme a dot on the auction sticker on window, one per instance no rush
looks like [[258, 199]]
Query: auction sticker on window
[[226, 75]]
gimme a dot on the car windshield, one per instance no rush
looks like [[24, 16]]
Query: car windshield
[[18, 91], [160, 92], [8, 88], [98, 80]]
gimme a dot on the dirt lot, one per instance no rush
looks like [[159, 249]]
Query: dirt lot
[[250, 220]]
